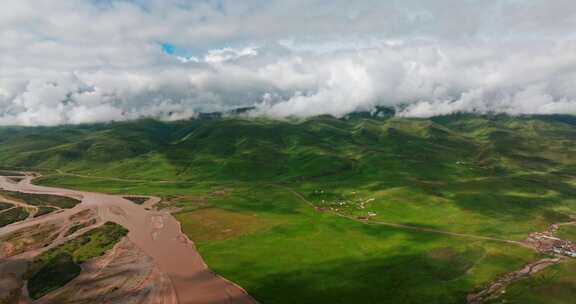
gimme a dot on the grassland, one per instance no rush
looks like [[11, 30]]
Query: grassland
[[291, 253], [265, 200], [57, 266]]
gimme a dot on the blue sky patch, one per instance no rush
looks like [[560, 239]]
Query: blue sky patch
[[168, 48]]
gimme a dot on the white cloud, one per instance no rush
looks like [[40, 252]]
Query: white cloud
[[228, 54], [92, 61]]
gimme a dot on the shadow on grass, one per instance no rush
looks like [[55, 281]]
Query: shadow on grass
[[517, 198], [410, 278]]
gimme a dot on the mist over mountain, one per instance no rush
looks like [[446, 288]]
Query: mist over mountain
[[173, 59]]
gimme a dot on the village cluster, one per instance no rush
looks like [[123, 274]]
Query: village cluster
[[342, 204], [546, 242]]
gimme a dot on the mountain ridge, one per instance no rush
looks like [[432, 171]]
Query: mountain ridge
[[315, 147]]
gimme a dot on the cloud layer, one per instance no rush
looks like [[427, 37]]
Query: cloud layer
[[100, 60]]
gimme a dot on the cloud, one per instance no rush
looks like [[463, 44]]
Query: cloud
[[119, 60]]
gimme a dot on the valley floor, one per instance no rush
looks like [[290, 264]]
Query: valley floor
[[283, 246]]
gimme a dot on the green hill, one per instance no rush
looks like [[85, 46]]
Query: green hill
[[441, 148]]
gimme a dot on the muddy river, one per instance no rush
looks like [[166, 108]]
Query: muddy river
[[156, 233]]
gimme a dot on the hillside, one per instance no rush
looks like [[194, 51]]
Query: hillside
[[319, 148], [327, 210]]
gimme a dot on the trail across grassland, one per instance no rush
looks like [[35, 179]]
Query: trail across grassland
[[495, 288], [404, 226]]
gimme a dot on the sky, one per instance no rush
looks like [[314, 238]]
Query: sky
[[87, 61]]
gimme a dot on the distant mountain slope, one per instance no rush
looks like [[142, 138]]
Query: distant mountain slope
[[361, 146]]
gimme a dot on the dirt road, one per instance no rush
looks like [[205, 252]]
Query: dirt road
[[494, 289], [156, 233]]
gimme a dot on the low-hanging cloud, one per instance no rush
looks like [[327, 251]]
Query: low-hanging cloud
[[68, 62]]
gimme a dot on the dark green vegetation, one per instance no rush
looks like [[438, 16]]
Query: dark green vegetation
[[40, 199], [262, 198], [12, 216], [44, 210], [10, 173], [56, 267], [139, 200], [55, 273], [46, 204], [4, 206]]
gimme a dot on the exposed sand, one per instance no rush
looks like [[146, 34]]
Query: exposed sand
[[125, 275], [156, 233]]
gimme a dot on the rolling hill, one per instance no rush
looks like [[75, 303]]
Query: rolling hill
[[358, 146], [369, 208]]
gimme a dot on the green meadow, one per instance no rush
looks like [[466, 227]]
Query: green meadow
[[304, 210]]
